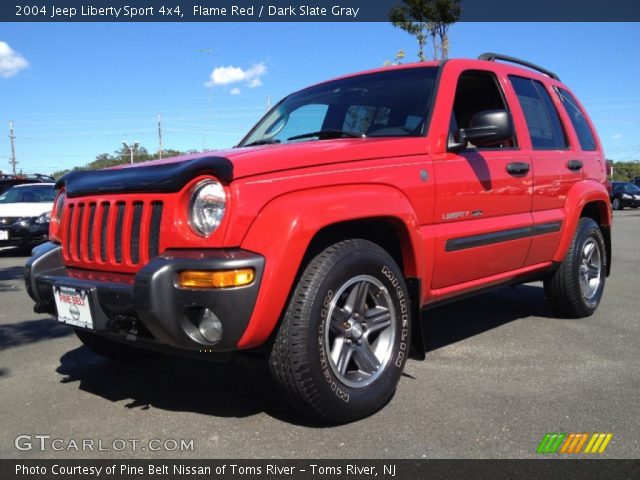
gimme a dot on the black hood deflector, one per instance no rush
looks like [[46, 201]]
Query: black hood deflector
[[162, 178]]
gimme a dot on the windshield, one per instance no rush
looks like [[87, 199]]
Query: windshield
[[394, 103], [30, 194], [626, 187]]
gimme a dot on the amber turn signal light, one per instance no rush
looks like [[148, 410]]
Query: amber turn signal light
[[218, 279]]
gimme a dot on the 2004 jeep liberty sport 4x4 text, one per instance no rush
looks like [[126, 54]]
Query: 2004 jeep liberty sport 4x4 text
[[350, 207]]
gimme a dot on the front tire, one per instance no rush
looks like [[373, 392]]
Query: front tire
[[344, 339], [617, 204], [576, 287]]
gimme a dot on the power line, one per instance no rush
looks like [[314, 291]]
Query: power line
[[129, 112]]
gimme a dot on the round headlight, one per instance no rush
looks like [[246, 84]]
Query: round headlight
[[58, 206], [206, 208]]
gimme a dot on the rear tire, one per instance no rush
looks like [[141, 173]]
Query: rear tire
[[575, 288], [344, 338], [110, 349]]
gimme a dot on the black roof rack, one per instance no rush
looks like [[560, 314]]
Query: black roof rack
[[26, 176], [492, 57]]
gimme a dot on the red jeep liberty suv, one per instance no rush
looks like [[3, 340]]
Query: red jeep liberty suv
[[350, 207]]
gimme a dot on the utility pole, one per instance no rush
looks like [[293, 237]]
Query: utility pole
[[13, 160], [131, 148], [268, 102], [160, 135]]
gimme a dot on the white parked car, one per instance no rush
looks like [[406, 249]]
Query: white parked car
[[24, 214]]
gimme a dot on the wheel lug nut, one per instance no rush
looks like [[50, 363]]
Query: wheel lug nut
[[346, 325], [359, 342]]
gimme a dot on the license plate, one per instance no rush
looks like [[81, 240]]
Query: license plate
[[73, 306], [4, 234]]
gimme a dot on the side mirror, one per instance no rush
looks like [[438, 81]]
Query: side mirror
[[485, 129]]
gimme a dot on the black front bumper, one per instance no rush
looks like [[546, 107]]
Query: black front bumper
[[149, 307], [24, 234], [630, 202]]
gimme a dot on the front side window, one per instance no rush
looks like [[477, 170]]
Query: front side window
[[477, 91], [392, 103], [543, 122], [578, 120]]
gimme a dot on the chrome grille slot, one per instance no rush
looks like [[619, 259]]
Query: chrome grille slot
[[103, 231], [154, 233], [119, 226], [78, 242], [135, 231], [92, 216]]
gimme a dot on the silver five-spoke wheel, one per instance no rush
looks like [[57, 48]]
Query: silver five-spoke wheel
[[590, 269], [360, 331]]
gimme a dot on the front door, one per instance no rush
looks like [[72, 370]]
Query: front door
[[483, 195]]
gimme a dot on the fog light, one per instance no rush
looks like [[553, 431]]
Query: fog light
[[219, 279], [210, 326]]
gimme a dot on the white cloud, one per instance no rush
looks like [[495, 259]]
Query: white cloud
[[235, 91], [617, 136], [11, 62], [222, 76]]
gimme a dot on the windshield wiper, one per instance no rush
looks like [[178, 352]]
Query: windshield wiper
[[328, 134], [263, 141]]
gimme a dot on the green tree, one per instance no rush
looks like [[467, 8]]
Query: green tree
[[413, 17], [397, 60], [625, 171], [427, 18], [445, 14]]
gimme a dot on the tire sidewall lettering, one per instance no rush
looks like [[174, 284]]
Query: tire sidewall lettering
[[400, 357]]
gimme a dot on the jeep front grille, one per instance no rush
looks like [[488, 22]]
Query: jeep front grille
[[111, 233]]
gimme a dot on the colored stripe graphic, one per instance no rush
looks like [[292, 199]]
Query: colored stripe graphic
[[598, 443], [551, 442], [572, 443]]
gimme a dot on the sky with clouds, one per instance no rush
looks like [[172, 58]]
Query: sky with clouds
[[76, 90], [10, 62]]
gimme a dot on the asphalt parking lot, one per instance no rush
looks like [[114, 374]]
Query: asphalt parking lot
[[501, 371]]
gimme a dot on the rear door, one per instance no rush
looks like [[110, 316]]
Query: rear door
[[482, 211], [555, 160]]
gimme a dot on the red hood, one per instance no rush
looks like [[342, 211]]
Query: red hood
[[249, 161]]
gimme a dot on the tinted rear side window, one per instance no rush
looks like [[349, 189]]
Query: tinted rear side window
[[543, 122], [578, 120]]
